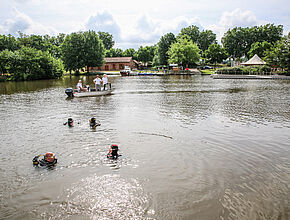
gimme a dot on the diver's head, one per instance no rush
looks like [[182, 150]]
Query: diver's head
[[93, 119], [70, 122], [49, 157]]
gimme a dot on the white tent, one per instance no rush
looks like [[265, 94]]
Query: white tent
[[255, 60]]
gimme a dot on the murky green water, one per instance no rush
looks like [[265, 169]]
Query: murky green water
[[192, 148]]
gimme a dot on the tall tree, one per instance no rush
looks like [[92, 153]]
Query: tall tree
[[114, 52], [130, 52], [205, 39], [184, 52], [82, 49], [215, 54], [107, 39], [94, 51], [191, 31], [163, 47], [146, 54]]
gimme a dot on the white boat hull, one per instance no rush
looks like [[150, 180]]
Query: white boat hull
[[92, 94]]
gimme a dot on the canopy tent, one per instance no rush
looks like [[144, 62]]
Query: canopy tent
[[255, 60]]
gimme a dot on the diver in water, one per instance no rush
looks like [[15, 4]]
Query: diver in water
[[113, 152], [93, 123], [70, 122], [48, 160]]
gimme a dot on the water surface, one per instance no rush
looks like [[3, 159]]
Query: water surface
[[192, 148]]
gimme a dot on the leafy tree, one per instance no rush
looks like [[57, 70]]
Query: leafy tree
[[259, 48], [184, 52], [94, 52], [114, 52], [30, 64], [163, 47], [107, 39], [130, 52], [205, 39], [82, 49], [279, 54], [191, 31], [215, 54], [238, 41], [146, 54], [8, 42]]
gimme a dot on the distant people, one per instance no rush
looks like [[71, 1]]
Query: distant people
[[105, 81], [97, 82], [80, 87]]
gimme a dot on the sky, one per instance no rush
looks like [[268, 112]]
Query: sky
[[136, 23]]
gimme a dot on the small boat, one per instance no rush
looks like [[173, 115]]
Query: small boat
[[73, 93]]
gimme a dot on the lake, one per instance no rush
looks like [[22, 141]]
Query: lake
[[192, 147]]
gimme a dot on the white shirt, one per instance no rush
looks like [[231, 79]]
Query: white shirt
[[97, 81], [79, 85], [105, 80]]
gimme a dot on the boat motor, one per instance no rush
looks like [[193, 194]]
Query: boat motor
[[69, 92]]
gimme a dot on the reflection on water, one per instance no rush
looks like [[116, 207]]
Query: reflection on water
[[192, 148]]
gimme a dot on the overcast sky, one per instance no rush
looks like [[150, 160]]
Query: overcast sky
[[135, 23]]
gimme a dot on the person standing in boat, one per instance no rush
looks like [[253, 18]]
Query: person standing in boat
[[105, 81], [97, 82]]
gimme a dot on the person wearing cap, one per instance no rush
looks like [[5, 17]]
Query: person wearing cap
[[97, 82], [113, 152]]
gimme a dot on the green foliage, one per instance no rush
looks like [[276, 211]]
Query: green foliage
[[259, 48], [82, 49], [31, 64], [279, 54], [163, 47], [130, 53], [146, 54], [215, 54], [191, 31], [238, 41], [184, 52], [114, 52], [107, 39], [8, 43], [205, 39]]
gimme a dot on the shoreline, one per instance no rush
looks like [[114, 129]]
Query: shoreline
[[265, 77]]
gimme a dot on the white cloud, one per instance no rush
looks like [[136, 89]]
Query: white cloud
[[105, 22], [23, 23]]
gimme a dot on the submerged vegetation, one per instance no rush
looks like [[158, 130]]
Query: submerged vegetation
[[31, 57]]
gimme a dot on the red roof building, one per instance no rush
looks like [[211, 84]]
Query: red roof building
[[114, 64]]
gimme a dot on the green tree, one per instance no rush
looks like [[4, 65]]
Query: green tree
[[82, 49], [184, 52], [279, 54], [215, 54], [94, 52], [259, 48], [205, 39], [146, 54], [8, 42], [107, 39], [114, 52], [191, 31], [238, 41], [130, 52], [163, 47]]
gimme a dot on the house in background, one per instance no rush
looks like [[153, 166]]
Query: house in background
[[115, 64]]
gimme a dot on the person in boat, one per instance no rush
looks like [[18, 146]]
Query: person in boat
[[80, 87], [105, 81], [93, 123], [70, 122], [48, 159], [97, 82], [113, 152]]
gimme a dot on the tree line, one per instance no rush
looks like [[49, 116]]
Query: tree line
[[30, 57]]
